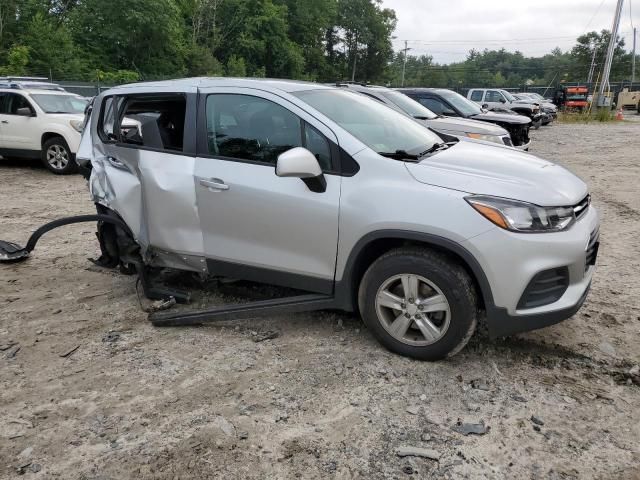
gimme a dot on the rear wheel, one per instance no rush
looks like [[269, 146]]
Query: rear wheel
[[57, 157], [419, 303]]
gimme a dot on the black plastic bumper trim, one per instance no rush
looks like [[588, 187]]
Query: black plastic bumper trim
[[501, 324]]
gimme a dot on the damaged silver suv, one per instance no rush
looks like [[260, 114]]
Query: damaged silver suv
[[334, 194]]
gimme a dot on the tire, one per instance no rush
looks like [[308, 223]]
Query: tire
[[57, 157], [436, 276]]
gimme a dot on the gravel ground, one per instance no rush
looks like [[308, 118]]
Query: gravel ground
[[90, 390]]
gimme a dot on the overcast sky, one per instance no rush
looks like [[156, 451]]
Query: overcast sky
[[447, 30]]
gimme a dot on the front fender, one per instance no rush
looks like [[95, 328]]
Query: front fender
[[71, 136]]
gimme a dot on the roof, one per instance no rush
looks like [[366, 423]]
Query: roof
[[26, 84], [424, 89], [206, 82], [40, 91]]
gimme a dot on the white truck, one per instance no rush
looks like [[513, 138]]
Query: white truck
[[500, 100]]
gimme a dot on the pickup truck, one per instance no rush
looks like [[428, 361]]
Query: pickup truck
[[500, 100]]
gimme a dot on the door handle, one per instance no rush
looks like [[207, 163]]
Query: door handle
[[5, 121], [214, 183], [117, 163]]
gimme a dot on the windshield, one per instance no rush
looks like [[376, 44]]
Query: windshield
[[508, 96], [377, 126], [463, 105], [60, 103], [409, 106]]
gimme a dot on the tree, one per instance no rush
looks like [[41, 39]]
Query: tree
[[145, 36], [51, 48], [17, 61], [582, 53], [236, 67]]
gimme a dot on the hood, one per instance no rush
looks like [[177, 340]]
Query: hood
[[464, 125], [68, 116], [512, 118], [502, 172]]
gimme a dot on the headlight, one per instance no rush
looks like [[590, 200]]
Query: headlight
[[522, 216], [76, 125], [486, 138]]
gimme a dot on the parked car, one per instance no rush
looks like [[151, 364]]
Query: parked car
[[316, 188], [501, 100], [548, 109], [41, 123], [457, 127], [451, 104]]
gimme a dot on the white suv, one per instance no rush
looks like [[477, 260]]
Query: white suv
[[39, 123]]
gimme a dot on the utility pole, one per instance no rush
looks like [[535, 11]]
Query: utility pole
[[404, 62], [633, 59], [355, 59], [612, 45], [593, 66]]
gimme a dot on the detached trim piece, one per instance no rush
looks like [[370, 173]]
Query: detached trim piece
[[261, 308], [22, 253]]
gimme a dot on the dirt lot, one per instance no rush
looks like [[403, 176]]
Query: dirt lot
[[90, 390]]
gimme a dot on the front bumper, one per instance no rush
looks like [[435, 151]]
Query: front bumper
[[501, 324], [524, 147], [511, 260]]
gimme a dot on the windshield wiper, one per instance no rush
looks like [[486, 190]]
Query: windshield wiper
[[423, 117], [434, 148], [404, 155], [400, 155]]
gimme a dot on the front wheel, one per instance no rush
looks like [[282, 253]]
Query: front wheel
[[57, 157], [419, 303]]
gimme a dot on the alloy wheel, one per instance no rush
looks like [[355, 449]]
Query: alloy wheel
[[413, 309], [57, 157]]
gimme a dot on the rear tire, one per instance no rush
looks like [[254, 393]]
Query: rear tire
[[57, 157], [438, 322]]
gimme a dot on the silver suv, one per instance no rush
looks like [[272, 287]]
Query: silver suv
[[457, 127], [315, 188]]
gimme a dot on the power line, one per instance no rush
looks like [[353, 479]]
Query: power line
[[592, 17]]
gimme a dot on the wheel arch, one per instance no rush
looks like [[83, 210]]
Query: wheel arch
[[374, 244], [48, 135]]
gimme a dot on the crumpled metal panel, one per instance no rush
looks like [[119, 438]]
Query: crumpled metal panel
[[115, 187], [153, 192]]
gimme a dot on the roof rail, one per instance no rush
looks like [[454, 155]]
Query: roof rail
[[24, 79]]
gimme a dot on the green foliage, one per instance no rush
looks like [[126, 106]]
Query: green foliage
[[601, 115], [93, 39], [118, 76], [499, 68], [236, 67], [17, 61], [319, 40]]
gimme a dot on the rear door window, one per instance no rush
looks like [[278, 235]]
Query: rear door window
[[433, 104], [153, 121]]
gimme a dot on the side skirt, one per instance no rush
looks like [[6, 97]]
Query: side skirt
[[261, 308]]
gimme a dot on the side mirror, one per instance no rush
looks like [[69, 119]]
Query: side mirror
[[25, 112], [502, 100], [300, 163], [485, 106]]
